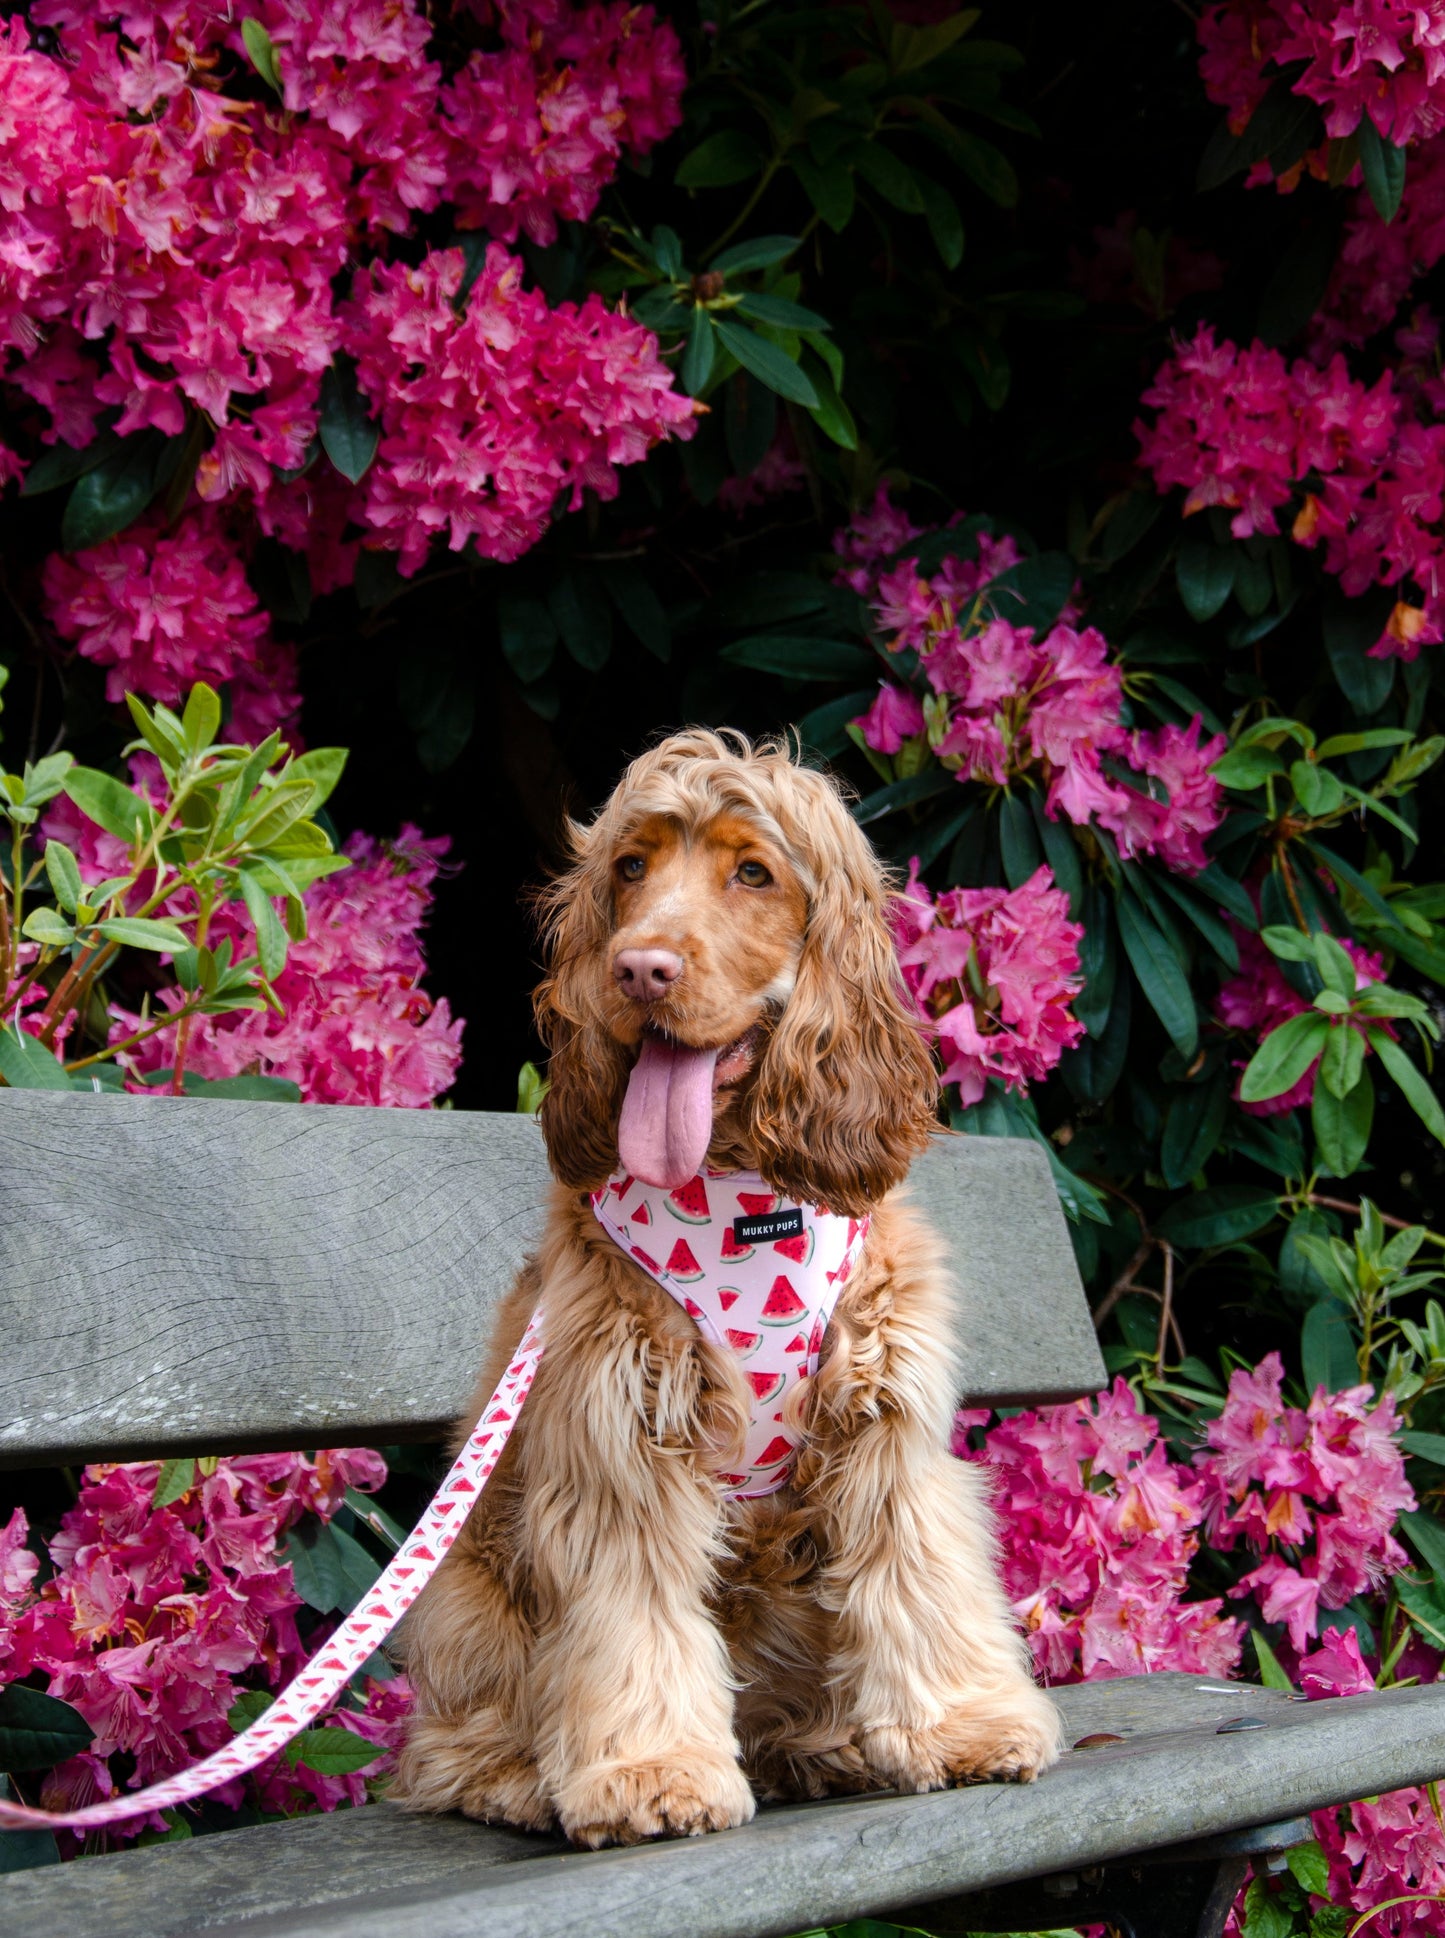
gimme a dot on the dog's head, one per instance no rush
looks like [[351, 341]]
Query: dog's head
[[721, 975]]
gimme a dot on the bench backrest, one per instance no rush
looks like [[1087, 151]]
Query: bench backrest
[[182, 1276]]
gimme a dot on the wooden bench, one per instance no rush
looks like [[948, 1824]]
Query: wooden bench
[[203, 1277]]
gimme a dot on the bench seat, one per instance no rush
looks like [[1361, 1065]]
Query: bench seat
[[298, 1276], [376, 1873]]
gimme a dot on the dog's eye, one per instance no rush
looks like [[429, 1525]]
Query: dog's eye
[[752, 874], [632, 868]]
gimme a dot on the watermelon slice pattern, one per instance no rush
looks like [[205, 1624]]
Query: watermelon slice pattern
[[738, 1296]]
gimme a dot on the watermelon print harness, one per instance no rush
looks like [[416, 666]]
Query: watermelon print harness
[[757, 1273]]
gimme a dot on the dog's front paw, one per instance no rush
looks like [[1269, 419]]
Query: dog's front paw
[[679, 1796], [1002, 1740]]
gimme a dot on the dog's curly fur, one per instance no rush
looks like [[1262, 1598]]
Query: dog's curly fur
[[613, 1646]]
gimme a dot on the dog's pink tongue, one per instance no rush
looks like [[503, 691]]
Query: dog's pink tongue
[[666, 1122]]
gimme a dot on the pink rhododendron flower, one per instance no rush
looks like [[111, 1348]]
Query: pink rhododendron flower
[[1258, 1000], [1277, 1476], [895, 716], [992, 972], [358, 1027], [153, 1615], [1384, 59], [486, 417], [1098, 1528], [1243, 429], [536, 129], [160, 609]]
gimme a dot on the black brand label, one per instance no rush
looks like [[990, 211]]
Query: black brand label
[[771, 1224]]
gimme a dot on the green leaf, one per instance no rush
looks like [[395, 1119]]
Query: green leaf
[[331, 1570], [829, 187], [528, 634], [25, 1850], [823, 731], [724, 158], [1310, 1868], [26, 1064], [249, 1707], [62, 464], [1191, 1129], [945, 224], [1290, 945], [1427, 1537], [45, 926], [1270, 1672], [905, 793], [799, 656], [142, 932], [1034, 592], [701, 352], [1358, 743], [1165, 985], [1414, 1086], [766, 362], [831, 414], [881, 169], [349, 435], [1342, 1124], [1343, 1060], [261, 52], [1317, 790], [913, 47], [1351, 627], [1018, 840], [1220, 1216], [270, 935], [641, 609], [1246, 767], [986, 167], [761, 253], [332, 1752], [760, 306], [1327, 1348], [323, 767], [254, 1088], [176, 1477], [104, 500], [1205, 573], [1283, 1058], [201, 720], [110, 803], [37, 1731], [1425, 1446], [583, 616], [1337, 971], [1424, 1610], [1383, 167]]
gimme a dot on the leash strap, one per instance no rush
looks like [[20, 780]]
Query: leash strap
[[363, 1631]]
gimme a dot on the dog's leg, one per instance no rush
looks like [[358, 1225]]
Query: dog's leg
[[793, 1723], [936, 1675], [465, 1646], [629, 1674]]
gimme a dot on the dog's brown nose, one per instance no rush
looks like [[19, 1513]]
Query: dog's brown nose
[[646, 974]]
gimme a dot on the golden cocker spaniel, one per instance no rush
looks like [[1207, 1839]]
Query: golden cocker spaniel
[[620, 1643]]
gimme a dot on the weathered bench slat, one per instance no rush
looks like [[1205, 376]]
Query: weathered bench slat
[[376, 1874], [181, 1275]]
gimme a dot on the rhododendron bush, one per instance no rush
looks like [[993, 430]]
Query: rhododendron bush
[[1044, 413]]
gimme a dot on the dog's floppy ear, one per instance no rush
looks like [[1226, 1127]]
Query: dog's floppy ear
[[586, 1070], [846, 1094]]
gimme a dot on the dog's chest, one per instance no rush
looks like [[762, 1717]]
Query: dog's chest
[[758, 1273]]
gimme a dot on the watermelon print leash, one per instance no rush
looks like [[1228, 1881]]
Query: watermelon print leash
[[758, 1273], [363, 1631]]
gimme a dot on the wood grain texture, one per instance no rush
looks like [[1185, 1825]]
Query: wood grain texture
[[183, 1275], [376, 1874]]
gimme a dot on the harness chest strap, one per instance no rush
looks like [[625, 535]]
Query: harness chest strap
[[758, 1273]]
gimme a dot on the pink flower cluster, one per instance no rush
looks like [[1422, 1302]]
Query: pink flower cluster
[[487, 416], [173, 253], [163, 609], [536, 129], [1381, 58], [1244, 429], [1098, 1527], [1379, 261], [358, 1027], [1281, 1478], [154, 1619], [1007, 706], [1258, 1000], [992, 972]]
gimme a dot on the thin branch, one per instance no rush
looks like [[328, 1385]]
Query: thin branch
[[1357, 1211], [1124, 1283], [1166, 1304]]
